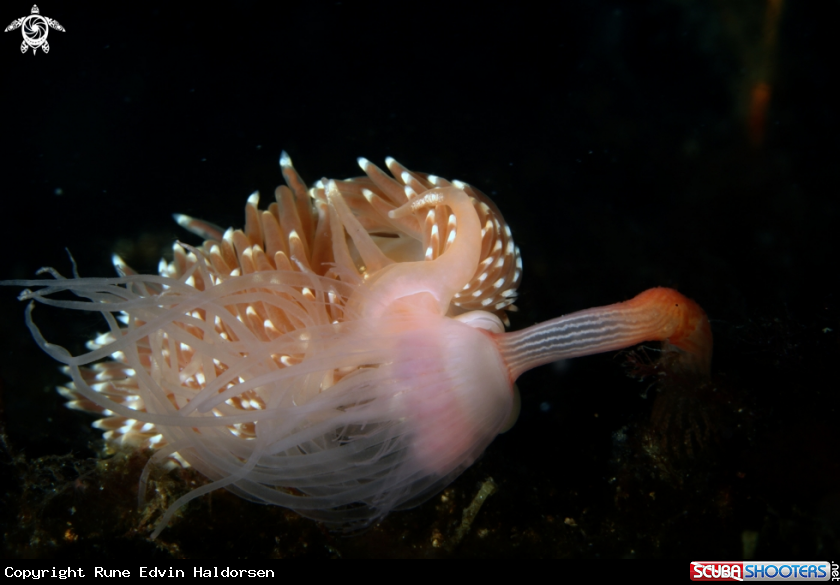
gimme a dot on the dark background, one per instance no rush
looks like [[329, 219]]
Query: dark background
[[618, 139]]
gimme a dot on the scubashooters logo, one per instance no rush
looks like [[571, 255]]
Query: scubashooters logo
[[35, 29], [760, 571]]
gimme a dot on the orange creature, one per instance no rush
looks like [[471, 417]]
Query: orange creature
[[345, 354]]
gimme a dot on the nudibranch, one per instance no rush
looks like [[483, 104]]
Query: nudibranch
[[344, 354]]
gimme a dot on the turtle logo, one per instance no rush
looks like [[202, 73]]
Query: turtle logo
[[35, 29]]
